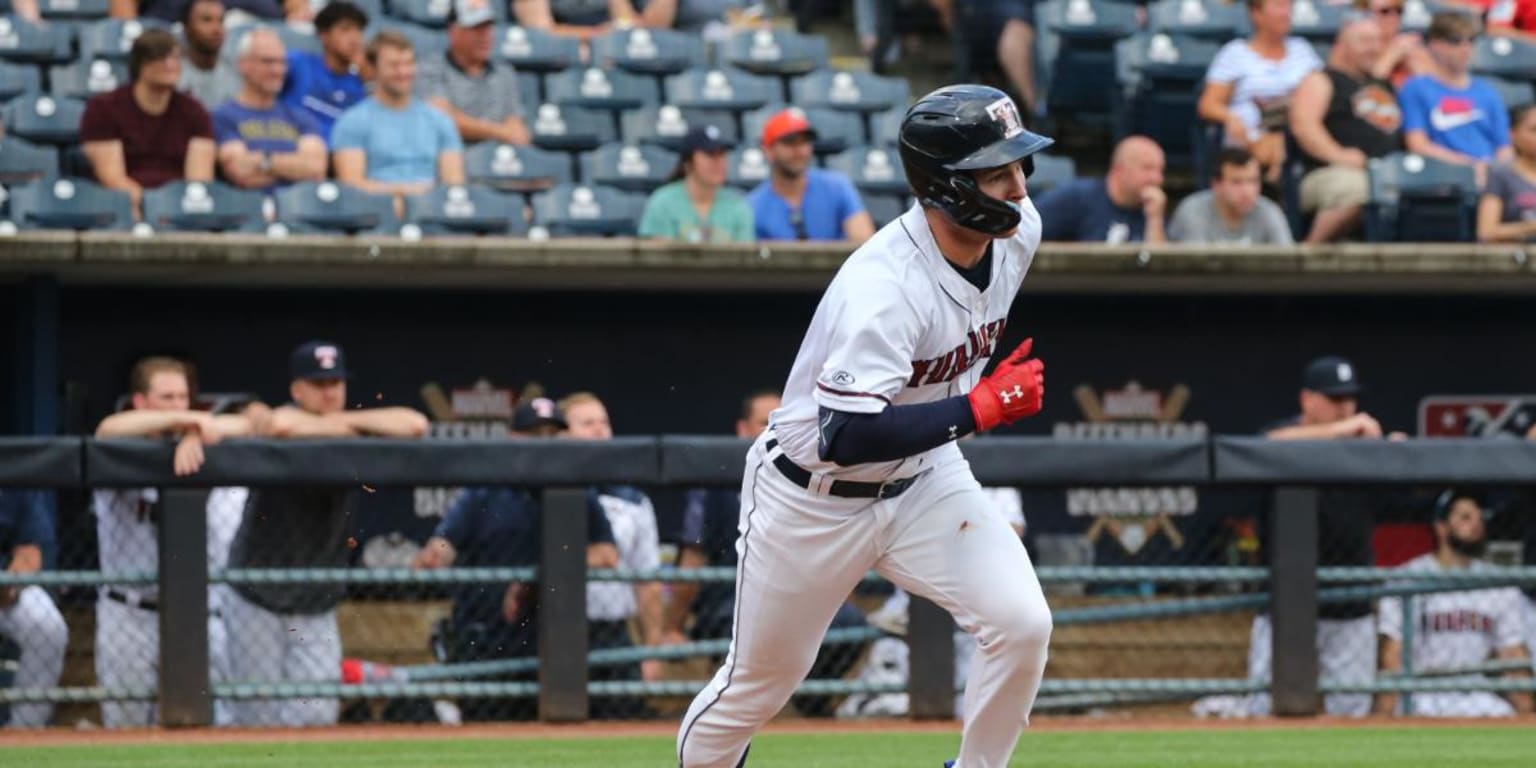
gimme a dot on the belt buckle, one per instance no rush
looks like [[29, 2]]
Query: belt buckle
[[891, 489]]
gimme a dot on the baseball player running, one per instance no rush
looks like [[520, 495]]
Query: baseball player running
[[858, 470]]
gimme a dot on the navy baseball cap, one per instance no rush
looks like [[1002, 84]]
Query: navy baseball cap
[[317, 360], [703, 138], [1445, 501], [1333, 376], [535, 413]]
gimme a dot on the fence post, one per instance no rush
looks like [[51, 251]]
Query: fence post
[[185, 698], [931, 675], [563, 607], [1293, 601]]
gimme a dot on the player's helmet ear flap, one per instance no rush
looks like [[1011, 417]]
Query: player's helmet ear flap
[[954, 131]]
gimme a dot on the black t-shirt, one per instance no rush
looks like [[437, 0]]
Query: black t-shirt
[[1363, 114], [294, 528]]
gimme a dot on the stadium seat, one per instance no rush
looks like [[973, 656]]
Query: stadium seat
[[84, 79], [1160, 84], [530, 89], [22, 161], [596, 88], [428, 42], [293, 40], [1292, 168], [885, 127], [532, 50], [1204, 19], [748, 168], [195, 206], [628, 167], [466, 210], [1082, 80], [16, 79], [1515, 93], [571, 129], [1316, 20], [885, 209], [1420, 199], [722, 89], [666, 125], [433, 13], [1416, 15], [850, 91], [579, 209], [72, 10], [774, 52], [649, 51], [516, 169], [874, 170], [1050, 172], [111, 38], [327, 207], [835, 131], [24, 41], [1502, 56], [44, 119], [70, 204]]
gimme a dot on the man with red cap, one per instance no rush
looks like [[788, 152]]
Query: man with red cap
[[801, 202]]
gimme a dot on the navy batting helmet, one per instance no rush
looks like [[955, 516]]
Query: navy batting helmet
[[958, 129]]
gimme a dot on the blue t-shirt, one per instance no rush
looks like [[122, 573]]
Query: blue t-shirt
[[314, 88], [1080, 211], [1471, 120], [401, 144], [263, 130], [829, 200]]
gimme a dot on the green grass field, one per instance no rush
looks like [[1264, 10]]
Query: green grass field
[[1224, 748]]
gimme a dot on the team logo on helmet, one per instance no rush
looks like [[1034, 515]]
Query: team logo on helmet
[[1007, 117]]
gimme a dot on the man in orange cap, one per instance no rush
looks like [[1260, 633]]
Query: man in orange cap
[[799, 201]]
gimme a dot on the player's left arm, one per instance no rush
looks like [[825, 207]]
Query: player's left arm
[[386, 422], [1521, 700], [1510, 639]]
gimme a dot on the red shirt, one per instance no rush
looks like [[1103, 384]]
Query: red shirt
[[1512, 14], [154, 146]]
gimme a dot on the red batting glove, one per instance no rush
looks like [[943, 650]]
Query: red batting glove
[[1016, 389]]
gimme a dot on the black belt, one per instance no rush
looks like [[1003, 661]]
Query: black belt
[[848, 489], [133, 602]]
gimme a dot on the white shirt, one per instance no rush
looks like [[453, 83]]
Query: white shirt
[[1254, 78], [897, 326], [635, 536], [127, 530], [1455, 630]]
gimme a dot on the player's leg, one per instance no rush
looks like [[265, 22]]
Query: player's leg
[[127, 655], [314, 656], [800, 557], [256, 643], [1346, 652], [36, 625], [950, 547], [1261, 641], [218, 651]]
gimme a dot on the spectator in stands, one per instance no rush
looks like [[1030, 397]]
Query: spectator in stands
[[1516, 18], [1402, 54], [1341, 117], [265, 143], [394, 143], [1507, 211], [28, 615], [610, 605], [586, 19], [1450, 115], [204, 73], [1249, 84], [695, 205], [1126, 206], [1232, 210], [1002, 34], [500, 527], [1456, 630], [127, 533], [480, 95], [27, 9], [329, 83], [242, 12], [145, 133], [799, 201], [285, 632]]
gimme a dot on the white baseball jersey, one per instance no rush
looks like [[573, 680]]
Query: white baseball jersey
[[897, 326], [127, 529], [1455, 630], [635, 536]]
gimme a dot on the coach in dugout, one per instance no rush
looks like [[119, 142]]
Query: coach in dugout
[[283, 633]]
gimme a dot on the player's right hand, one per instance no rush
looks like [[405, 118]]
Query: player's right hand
[[1014, 390]]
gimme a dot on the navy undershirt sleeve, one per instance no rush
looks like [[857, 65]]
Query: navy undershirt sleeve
[[895, 433]]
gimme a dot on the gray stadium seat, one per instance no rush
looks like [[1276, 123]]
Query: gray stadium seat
[[466, 210], [330, 208], [1515, 93], [649, 51], [70, 204], [429, 43], [44, 119], [850, 91], [572, 129], [1420, 199], [516, 169], [835, 131], [596, 88], [67, 10], [1316, 20], [112, 38], [22, 161], [665, 126], [578, 209], [195, 206], [1081, 79], [84, 79], [16, 79], [885, 127], [530, 89], [433, 13], [1206, 19], [774, 52], [722, 89], [628, 167], [748, 168], [24, 41], [874, 170], [1050, 173], [532, 50], [885, 209], [1506, 57]]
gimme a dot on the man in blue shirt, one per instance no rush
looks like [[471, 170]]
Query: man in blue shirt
[[1126, 206], [799, 202], [28, 615], [264, 143], [328, 84], [1449, 114]]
